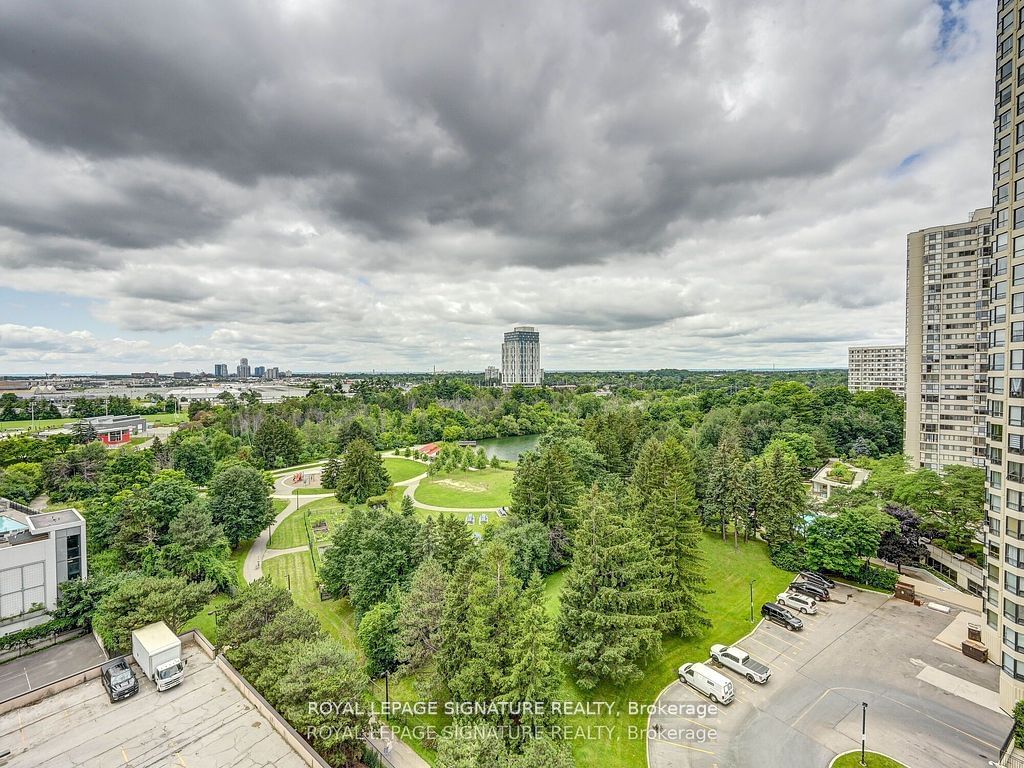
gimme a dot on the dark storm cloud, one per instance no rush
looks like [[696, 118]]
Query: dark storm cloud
[[143, 215], [557, 125]]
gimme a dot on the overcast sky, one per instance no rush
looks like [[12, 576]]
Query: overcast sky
[[391, 185]]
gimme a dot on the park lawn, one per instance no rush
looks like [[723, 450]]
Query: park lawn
[[477, 489], [303, 490], [730, 572], [204, 622], [871, 759], [296, 569], [166, 419], [401, 470], [238, 555]]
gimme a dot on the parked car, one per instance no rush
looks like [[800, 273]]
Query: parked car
[[118, 679], [782, 617], [798, 602], [814, 576], [811, 590], [712, 684], [738, 660]]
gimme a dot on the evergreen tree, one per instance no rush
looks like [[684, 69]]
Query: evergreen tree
[[545, 487], [198, 549], [428, 537], [490, 631], [418, 623], [610, 605], [453, 541], [536, 671], [330, 473], [454, 647], [408, 508], [362, 475], [84, 432], [344, 545], [385, 557], [376, 633], [665, 507], [781, 497], [727, 498]]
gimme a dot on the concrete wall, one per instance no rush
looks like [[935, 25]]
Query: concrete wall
[[915, 342]]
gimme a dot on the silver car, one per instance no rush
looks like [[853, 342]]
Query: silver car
[[798, 602]]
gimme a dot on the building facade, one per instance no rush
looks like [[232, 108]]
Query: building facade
[[947, 335], [39, 551], [220, 370], [877, 367], [520, 357], [243, 371], [492, 375], [1004, 500]]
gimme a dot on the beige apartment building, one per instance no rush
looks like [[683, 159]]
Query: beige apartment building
[[1004, 502], [877, 367], [947, 323]]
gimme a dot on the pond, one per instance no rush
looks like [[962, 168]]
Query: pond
[[509, 448]]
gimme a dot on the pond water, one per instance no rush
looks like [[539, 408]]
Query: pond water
[[509, 448]]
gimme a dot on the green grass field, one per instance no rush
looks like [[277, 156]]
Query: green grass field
[[296, 570], [403, 469], [482, 488], [204, 621], [292, 531], [872, 760], [159, 419]]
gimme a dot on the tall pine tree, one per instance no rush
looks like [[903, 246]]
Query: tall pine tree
[[727, 499], [610, 604], [781, 497], [664, 505]]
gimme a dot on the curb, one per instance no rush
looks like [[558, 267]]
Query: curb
[[855, 751], [647, 751]]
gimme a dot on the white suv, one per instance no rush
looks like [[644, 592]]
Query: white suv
[[802, 603]]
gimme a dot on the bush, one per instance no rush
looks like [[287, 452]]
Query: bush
[[789, 557], [1018, 724], [880, 578]]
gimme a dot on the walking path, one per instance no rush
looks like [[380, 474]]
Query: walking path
[[290, 551], [394, 752], [252, 568]]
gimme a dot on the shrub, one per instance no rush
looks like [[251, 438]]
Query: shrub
[[26, 636], [880, 578], [1018, 724], [789, 557]]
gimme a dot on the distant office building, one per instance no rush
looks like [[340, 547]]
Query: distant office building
[[272, 374], [146, 375], [243, 370], [39, 551], [181, 375], [220, 370], [492, 375], [259, 371], [520, 357], [877, 367], [948, 271]]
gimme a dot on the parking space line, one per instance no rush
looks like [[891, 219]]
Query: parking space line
[[683, 746], [792, 644]]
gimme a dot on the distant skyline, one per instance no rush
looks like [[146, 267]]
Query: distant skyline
[[342, 186]]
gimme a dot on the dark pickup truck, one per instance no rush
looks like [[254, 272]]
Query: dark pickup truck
[[118, 679]]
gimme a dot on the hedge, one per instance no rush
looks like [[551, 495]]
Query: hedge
[[25, 636]]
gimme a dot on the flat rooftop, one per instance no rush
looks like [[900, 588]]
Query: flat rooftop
[[203, 723]]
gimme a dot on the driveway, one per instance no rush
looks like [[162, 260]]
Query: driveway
[[27, 673], [923, 697]]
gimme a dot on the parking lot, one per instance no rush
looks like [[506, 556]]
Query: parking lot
[[202, 723], [48, 665], [923, 697]]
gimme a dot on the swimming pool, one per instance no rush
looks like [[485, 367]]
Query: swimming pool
[[7, 525]]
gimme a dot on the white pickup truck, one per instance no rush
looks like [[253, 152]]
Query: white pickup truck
[[738, 660]]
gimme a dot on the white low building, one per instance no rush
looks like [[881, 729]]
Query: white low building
[[39, 551], [836, 474]]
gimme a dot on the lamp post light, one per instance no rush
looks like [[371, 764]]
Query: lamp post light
[[863, 730], [752, 600]]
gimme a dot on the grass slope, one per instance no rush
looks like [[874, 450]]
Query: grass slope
[[296, 569], [477, 489]]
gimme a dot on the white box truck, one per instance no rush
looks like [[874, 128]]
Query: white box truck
[[157, 651]]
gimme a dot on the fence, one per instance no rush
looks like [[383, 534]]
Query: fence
[[1007, 753]]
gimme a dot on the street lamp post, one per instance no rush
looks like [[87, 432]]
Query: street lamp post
[[863, 729], [752, 600]]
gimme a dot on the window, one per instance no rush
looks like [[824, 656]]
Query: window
[[1016, 416], [998, 314], [1015, 471], [1003, 121], [1017, 359], [1017, 305], [74, 552], [995, 385], [1002, 193], [1004, 71], [1003, 216], [1015, 444], [1018, 217], [1003, 145], [997, 361], [995, 433], [1002, 240], [1016, 388], [1002, 170], [1018, 274], [1017, 331], [995, 408], [998, 291], [1013, 640], [997, 338], [999, 267]]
